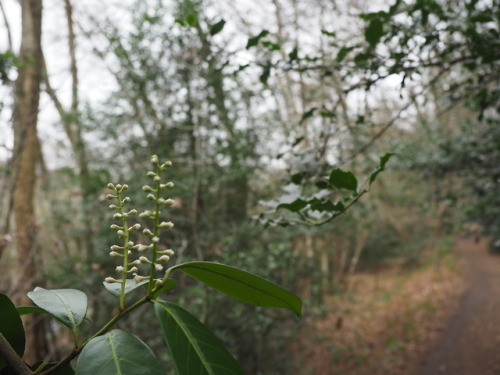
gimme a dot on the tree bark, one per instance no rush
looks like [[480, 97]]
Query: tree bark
[[26, 154]]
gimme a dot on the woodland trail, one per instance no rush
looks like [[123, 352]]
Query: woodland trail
[[470, 343]]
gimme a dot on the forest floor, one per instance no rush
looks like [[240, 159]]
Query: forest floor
[[443, 318]]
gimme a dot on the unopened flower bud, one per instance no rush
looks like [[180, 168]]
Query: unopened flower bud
[[115, 254], [147, 232], [110, 280], [164, 258], [167, 225], [169, 202], [158, 267], [151, 197], [151, 174], [136, 262], [126, 200], [111, 186], [130, 243], [133, 269], [118, 186], [146, 214], [155, 239], [154, 159], [124, 187], [157, 179], [166, 165], [119, 268], [168, 185], [115, 247], [144, 260], [114, 226], [132, 211], [114, 207], [147, 188], [117, 216], [169, 252], [120, 233], [110, 196], [143, 248], [138, 278]]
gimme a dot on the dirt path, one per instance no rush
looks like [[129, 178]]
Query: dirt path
[[470, 343]]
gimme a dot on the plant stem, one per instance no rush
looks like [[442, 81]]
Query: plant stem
[[12, 359]]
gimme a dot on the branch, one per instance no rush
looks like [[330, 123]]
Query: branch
[[12, 359]]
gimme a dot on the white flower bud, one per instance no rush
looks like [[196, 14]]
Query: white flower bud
[[135, 227], [124, 187], [126, 200], [118, 186], [166, 165], [147, 189], [169, 252], [158, 267], [117, 216], [155, 239], [115, 247], [151, 197], [138, 278], [114, 207], [114, 226], [151, 174], [168, 185], [110, 196], [119, 268], [115, 254], [164, 258], [157, 179], [143, 260], [167, 225], [110, 280], [111, 186], [132, 211], [120, 233], [136, 262], [147, 232], [169, 202], [154, 159], [143, 247], [133, 269], [130, 243]]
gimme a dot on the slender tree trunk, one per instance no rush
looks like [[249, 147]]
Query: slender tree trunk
[[26, 153]]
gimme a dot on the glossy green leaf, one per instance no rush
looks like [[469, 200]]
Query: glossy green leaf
[[295, 206], [242, 285], [255, 40], [217, 27], [69, 306], [118, 353], [130, 285], [343, 180], [374, 31], [11, 327], [169, 285], [195, 350], [24, 310]]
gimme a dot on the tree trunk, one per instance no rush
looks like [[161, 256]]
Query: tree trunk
[[26, 154]]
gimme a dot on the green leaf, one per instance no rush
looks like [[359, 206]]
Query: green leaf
[[328, 33], [24, 310], [374, 31], [194, 348], [242, 285], [69, 306], [294, 54], [217, 27], [381, 167], [266, 71], [255, 40], [191, 19], [308, 114], [11, 327], [297, 205], [323, 205], [118, 353], [130, 285], [343, 180]]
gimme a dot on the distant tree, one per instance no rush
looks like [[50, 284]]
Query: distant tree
[[26, 158]]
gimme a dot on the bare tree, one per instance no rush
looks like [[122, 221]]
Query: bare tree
[[26, 154]]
